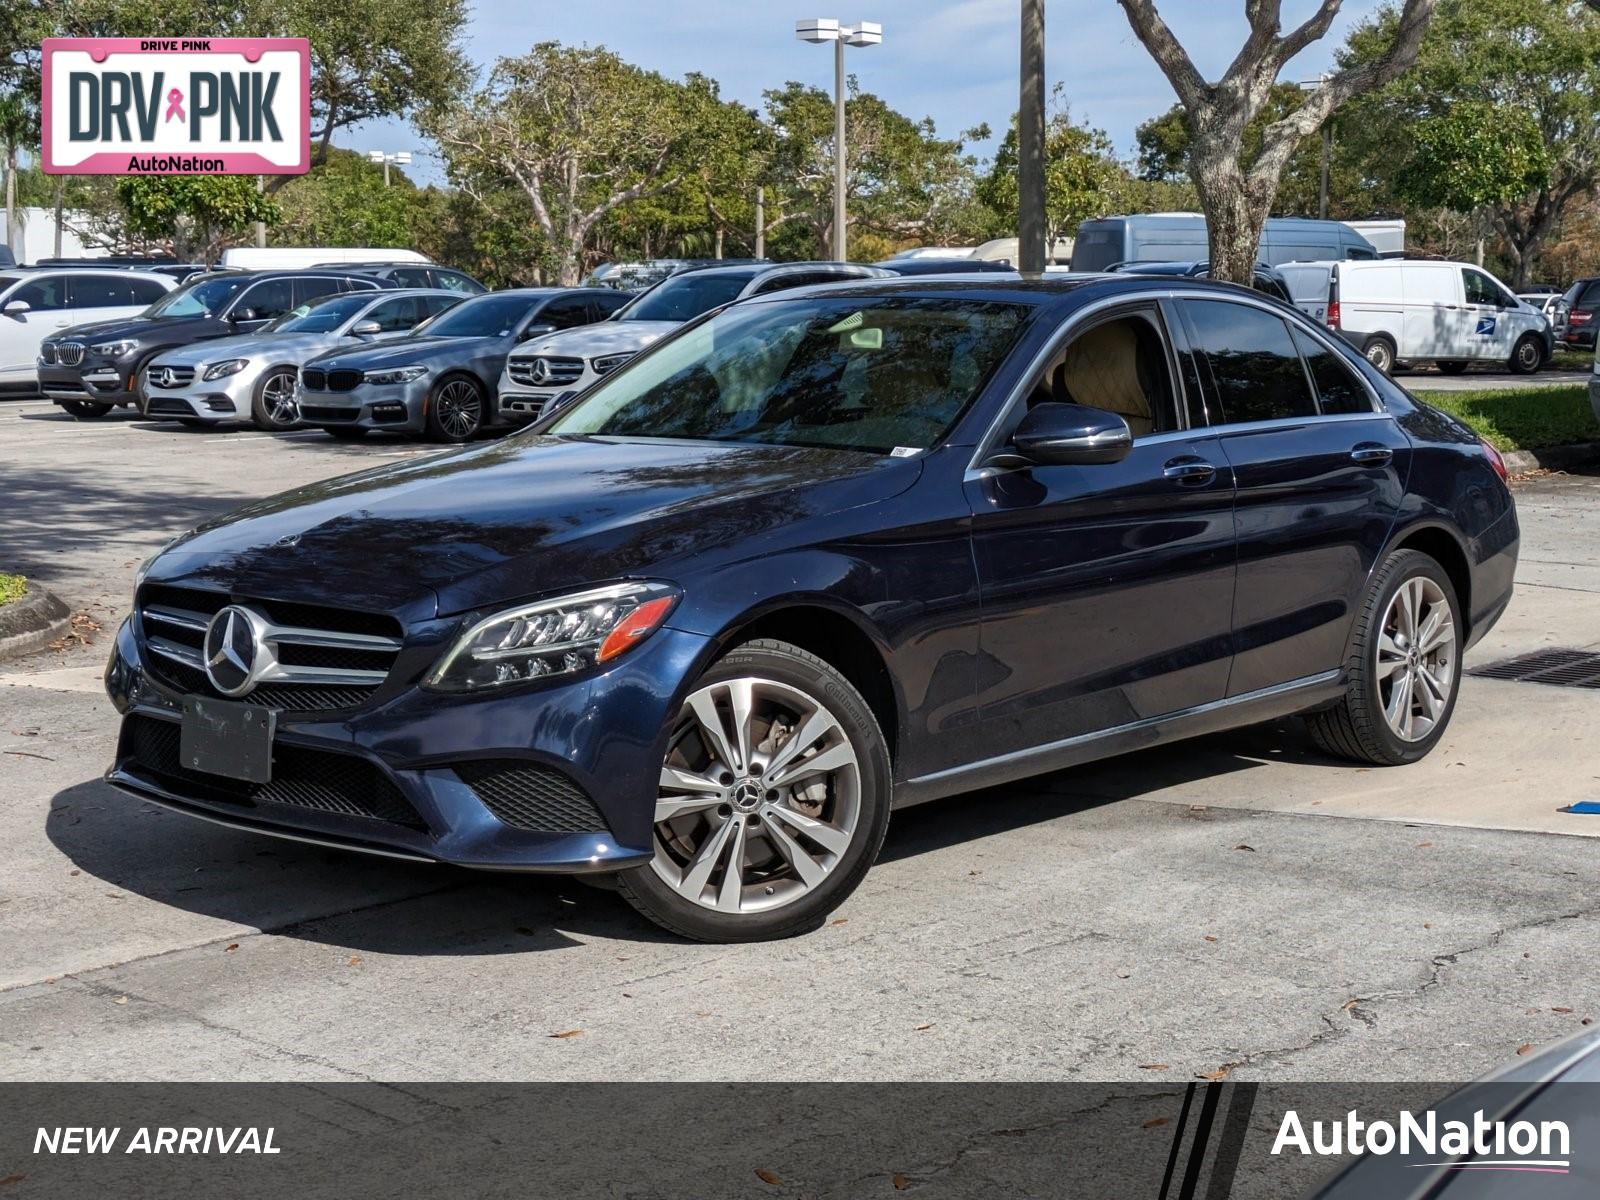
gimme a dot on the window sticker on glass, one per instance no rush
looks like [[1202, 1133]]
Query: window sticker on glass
[[905, 452]]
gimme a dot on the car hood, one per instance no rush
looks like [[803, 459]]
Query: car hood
[[401, 352], [607, 337], [283, 346], [138, 328], [523, 517]]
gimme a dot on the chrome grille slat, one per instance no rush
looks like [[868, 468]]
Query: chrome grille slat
[[559, 371], [332, 639], [187, 655], [182, 618], [70, 353]]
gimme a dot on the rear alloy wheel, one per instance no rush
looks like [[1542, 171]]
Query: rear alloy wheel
[[773, 801], [1404, 667], [1528, 356], [1380, 353], [85, 410], [455, 409], [276, 404]]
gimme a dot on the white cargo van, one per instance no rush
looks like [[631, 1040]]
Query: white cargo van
[[294, 258], [1410, 310]]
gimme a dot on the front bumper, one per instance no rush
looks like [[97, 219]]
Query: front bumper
[[524, 405], [98, 382], [398, 406], [226, 399], [406, 764], [1579, 338]]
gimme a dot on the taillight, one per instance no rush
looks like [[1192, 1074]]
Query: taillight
[[1333, 314], [1495, 461], [1579, 316]]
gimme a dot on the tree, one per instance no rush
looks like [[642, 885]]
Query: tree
[[1236, 190], [1501, 111], [578, 132], [1080, 173], [344, 202], [196, 215]]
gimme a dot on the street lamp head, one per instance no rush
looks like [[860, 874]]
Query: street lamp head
[[817, 29], [375, 156], [403, 158], [868, 33]]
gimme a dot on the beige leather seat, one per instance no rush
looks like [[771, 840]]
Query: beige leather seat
[[1101, 370]]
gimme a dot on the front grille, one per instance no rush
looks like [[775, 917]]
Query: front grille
[[313, 379], [326, 658], [70, 353], [47, 354], [558, 371], [320, 412], [169, 377], [168, 406], [340, 379], [315, 780], [531, 797], [1560, 668]]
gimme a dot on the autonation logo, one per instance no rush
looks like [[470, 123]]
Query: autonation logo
[[1477, 1145]]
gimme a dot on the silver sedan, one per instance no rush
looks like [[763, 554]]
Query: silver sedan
[[254, 376]]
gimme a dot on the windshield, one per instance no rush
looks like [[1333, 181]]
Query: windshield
[[880, 375], [322, 315], [496, 314], [204, 298], [685, 297]]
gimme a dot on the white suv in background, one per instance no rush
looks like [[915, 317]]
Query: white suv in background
[[560, 365], [37, 303], [1413, 310]]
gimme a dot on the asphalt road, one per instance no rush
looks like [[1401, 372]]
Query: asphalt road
[[1234, 904]]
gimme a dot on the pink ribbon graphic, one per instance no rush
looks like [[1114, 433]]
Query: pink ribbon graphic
[[175, 105]]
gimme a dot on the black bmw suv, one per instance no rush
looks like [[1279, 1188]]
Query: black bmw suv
[[90, 369]]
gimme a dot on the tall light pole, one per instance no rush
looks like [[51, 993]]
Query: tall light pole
[[1311, 85], [1030, 143], [828, 29], [399, 158]]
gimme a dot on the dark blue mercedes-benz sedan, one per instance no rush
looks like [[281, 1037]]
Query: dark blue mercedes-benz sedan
[[814, 557]]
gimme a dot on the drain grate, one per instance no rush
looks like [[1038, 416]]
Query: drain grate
[[1559, 668]]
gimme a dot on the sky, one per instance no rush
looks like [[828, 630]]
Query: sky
[[952, 60]]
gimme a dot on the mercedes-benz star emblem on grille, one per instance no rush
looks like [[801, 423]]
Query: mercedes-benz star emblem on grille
[[162, 377], [232, 651], [539, 372]]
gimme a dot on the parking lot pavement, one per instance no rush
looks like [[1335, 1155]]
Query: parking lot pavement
[[1235, 903]]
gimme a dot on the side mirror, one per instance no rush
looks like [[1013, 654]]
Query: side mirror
[[1068, 435], [15, 308], [533, 331], [241, 316], [366, 328]]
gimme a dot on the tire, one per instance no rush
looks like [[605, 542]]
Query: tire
[[85, 410], [455, 409], [1451, 367], [345, 433], [1527, 356], [785, 887], [1379, 351], [270, 407], [1363, 725]]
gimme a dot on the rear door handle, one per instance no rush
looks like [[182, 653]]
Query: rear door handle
[[1191, 472], [1371, 454]]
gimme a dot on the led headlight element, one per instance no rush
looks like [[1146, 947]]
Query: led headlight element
[[114, 349], [222, 369], [399, 375], [553, 637], [608, 363]]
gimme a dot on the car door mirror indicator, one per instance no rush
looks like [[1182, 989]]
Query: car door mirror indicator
[[1054, 434]]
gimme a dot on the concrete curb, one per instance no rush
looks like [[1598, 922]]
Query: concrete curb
[[1552, 458], [33, 622]]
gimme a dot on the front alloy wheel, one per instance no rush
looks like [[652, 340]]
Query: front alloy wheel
[[277, 404], [772, 803], [456, 411]]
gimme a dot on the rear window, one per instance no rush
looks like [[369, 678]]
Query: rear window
[[1309, 284], [1096, 249], [1338, 389], [1255, 369]]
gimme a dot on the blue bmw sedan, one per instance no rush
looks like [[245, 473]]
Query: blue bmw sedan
[[815, 557]]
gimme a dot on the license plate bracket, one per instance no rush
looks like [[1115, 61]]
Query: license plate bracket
[[227, 738]]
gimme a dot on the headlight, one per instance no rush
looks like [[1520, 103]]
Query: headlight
[[553, 637], [114, 349], [398, 375], [223, 369], [608, 363]]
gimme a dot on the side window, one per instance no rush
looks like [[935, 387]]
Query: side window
[[1338, 389], [146, 291], [1480, 288], [1117, 366], [798, 279], [43, 295], [394, 316], [437, 304], [411, 277], [606, 302], [565, 312], [314, 286], [455, 281], [265, 301], [1256, 373], [99, 291], [1588, 297]]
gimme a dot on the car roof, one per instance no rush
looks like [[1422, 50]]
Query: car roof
[[1061, 290], [119, 272]]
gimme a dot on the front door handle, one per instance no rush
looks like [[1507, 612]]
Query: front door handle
[[1372, 455], [1191, 472]]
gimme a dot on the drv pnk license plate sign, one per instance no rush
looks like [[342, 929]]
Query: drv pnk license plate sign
[[221, 737], [177, 106]]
